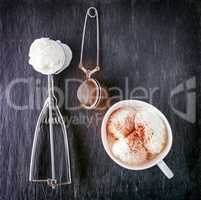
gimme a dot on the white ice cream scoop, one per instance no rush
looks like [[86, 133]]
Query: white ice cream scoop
[[48, 56], [121, 122], [122, 151], [156, 130]]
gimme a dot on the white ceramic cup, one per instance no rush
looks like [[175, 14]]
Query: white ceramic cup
[[158, 160]]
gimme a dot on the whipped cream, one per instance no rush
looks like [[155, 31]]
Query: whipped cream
[[49, 56]]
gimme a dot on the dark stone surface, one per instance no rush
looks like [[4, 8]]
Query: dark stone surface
[[150, 44]]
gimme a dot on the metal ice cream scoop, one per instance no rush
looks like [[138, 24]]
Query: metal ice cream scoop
[[48, 134]]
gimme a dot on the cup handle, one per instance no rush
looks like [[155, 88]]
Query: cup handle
[[165, 169]]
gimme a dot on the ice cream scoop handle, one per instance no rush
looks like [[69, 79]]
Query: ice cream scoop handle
[[165, 169]]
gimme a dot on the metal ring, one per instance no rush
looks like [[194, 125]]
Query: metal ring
[[91, 14], [97, 95]]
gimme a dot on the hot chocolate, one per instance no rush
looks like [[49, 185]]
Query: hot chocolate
[[135, 137]]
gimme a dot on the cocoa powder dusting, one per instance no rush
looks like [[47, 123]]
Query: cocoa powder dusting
[[136, 139]]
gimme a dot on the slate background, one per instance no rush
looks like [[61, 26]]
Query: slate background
[[151, 44]]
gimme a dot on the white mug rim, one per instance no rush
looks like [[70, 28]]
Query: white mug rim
[[147, 165]]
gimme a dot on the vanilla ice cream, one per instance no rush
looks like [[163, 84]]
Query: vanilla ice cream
[[155, 131], [122, 151], [121, 122], [138, 136], [48, 56]]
